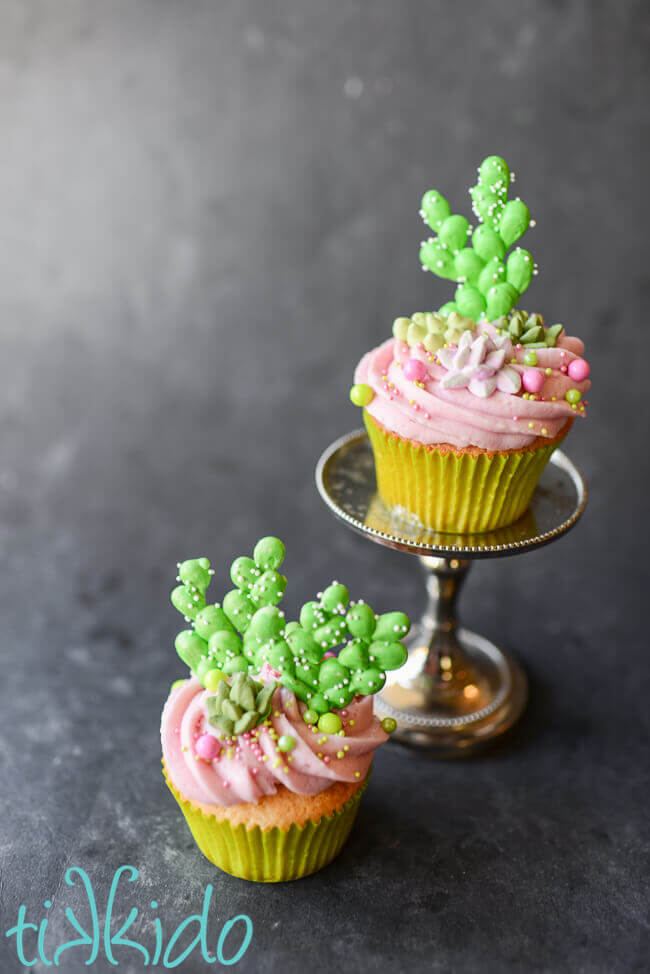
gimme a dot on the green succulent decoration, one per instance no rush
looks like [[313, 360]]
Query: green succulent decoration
[[433, 330], [235, 639], [490, 281], [529, 330], [239, 706]]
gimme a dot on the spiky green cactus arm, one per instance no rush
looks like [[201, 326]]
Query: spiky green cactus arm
[[489, 282]]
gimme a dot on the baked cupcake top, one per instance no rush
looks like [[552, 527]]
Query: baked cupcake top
[[269, 702], [478, 372]]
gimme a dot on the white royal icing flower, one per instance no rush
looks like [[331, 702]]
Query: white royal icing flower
[[479, 364]]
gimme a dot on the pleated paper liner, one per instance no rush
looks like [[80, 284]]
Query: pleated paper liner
[[460, 491], [271, 855]]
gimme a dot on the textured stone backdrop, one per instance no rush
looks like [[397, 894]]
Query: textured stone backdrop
[[208, 211]]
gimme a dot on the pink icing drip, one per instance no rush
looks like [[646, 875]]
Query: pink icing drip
[[244, 777]]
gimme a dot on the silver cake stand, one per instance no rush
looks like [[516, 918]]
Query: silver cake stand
[[457, 691]]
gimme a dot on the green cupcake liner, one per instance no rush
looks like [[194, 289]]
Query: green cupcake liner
[[270, 855], [447, 491]]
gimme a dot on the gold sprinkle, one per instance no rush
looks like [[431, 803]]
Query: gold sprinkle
[[351, 723], [544, 431], [357, 774], [340, 754], [531, 426]]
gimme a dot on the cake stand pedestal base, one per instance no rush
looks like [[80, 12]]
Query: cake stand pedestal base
[[457, 691]]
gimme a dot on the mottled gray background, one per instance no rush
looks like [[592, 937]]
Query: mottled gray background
[[208, 211]]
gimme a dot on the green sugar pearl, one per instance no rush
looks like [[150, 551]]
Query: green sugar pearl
[[388, 725], [530, 358], [329, 723], [286, 743], [573, 396], [310, 716], [361, 394]]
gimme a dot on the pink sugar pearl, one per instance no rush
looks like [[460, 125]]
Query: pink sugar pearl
[[532, 380], [329, 656], [579, 370], [415, 371], [207, 747]]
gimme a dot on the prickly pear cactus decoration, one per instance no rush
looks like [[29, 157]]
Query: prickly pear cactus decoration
[[360, 666], [229, 642], [215, 641], [489, 282]]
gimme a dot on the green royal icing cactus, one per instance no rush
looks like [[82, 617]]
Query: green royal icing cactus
[[248, 630], [215, 641], [489, 283]]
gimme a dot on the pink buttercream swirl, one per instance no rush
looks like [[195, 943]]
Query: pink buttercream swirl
[[428, 412], [252, 766]]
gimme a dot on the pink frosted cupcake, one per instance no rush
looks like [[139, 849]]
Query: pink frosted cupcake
[[465, 406], [461, 457], [268, 745]]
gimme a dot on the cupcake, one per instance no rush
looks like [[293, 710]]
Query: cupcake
[[464, 406], [267, 746]]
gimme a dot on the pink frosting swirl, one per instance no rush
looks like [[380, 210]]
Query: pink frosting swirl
[[428, 413], [253, 766]]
